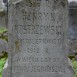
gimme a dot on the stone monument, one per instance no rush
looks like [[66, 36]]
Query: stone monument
[[38, 38]]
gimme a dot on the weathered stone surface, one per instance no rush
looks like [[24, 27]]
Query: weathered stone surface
[[6, 72], [37, 32]]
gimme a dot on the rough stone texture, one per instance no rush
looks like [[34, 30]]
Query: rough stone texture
[[6, 72], [37, 38]]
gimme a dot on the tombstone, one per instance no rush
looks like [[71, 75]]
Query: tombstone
[[38, 38]]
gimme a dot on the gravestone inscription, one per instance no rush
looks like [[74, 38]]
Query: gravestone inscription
[[37, 32]]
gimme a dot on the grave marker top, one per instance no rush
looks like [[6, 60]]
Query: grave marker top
[[37, 31]]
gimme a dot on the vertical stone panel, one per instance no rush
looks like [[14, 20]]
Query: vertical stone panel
[[37, 38]]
